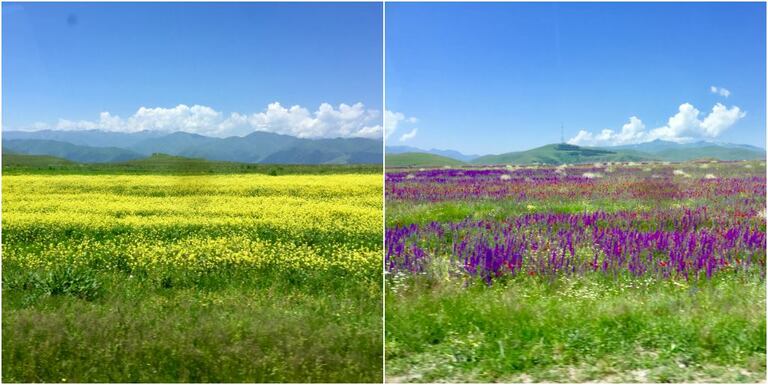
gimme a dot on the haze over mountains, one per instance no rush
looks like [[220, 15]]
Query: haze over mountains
[[446, 153], [657, 150], [97, 146]]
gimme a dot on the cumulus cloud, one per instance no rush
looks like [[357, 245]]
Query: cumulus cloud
[[409, 135], [394, 119], [325, 122], [684, 126], [720, 91]]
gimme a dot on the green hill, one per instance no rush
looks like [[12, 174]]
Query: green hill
[[418, 159], [12, 159], [710, 152], [14, 163], [562, 153]]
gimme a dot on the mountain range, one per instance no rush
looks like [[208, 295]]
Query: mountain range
[[445, 153], [97, 146], [657, 150]]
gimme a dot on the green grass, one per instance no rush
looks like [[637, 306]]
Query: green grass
[[576, 330], [403, 213], [562, 153], [12, 160], [232, 326], [566, 153], [143, 291], [16, 164], [417, 159]]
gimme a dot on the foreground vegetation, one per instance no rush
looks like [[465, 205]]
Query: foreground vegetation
[[219, 278], [604, 272], [576, 330]]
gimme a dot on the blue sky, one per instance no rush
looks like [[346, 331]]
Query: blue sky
[[497, 77], [71, 62]]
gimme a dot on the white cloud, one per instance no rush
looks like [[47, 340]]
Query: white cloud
[[720, 91], [409, 135], [391, 121], [327, 121], [394, 119], [684, 126]]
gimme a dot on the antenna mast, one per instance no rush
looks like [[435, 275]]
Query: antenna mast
[[562, 134]]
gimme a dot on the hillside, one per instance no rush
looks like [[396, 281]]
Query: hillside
[[415, 159], [93, 138], [710, 152], [257, 147], [12, 159], [562, 153], [447, 153], [69, 151], [671, 151]]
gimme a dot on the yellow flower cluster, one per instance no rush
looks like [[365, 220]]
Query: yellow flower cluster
[[195, 222]]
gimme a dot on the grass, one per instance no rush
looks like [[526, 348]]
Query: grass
[[234, 327], [164, 278], [445, 324], [576, 330], [453, 211], [416, 159], [161, 164], [562, 153]]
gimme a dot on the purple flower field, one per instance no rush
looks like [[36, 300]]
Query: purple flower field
[[680, 221]]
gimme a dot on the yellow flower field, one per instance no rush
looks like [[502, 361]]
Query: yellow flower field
[[307, 223]]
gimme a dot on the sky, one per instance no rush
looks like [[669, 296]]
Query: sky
[[486, 78], [309, 70]]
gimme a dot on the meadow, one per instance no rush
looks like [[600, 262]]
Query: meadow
[[118, 277], [612, 272]]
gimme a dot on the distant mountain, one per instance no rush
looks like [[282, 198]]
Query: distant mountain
[[678, 152], [659, 145], [174, 143], [93, 138], [710, 152], [69, 151], [258, 147], [562, 153], [651, 151], [417, 159], [329, 151], [448, 153]]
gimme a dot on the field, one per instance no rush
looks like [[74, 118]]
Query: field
[[117, 277], [622, 272], [169, 165], [414, 159]]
